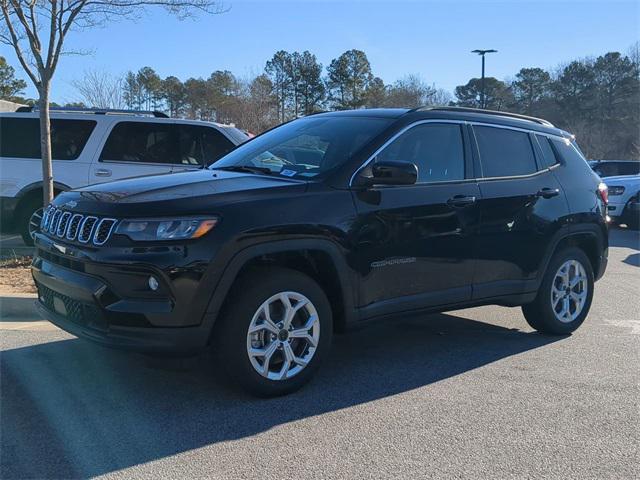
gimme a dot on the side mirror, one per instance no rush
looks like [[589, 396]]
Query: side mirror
[[391, 173]]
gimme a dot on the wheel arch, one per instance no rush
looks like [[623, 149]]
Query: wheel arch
[[590, 239], [34, 189], [321, 259]]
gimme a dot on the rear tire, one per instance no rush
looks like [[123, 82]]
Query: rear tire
[[565, 295], [252, 331]]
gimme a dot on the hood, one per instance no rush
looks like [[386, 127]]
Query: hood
[[192, 191]]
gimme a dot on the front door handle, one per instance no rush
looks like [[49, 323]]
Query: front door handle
[[103, 172], [548, 192], [461, 201]]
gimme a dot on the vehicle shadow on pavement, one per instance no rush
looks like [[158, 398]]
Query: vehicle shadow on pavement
[[71, 409]]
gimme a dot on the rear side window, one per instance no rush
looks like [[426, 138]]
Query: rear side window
[[20, 137], [548, 156], [436, 149], [202, 145], [504, 152], [142, 142]]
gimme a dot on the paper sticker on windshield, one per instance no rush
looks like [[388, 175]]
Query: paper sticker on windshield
[[288, 173]]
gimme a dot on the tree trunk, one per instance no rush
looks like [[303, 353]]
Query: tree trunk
[[45, 143]]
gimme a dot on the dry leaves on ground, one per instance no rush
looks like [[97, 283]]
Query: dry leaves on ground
[[15, 276]]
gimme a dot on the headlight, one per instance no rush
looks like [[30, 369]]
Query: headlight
[[616, 191], [146, 229]]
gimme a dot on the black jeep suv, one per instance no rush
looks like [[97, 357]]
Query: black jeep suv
[[324, 222]]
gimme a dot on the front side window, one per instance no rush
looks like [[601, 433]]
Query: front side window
[[306, 147], [436, 149], [202, 145], [504, 152], [142, 142], [20, 137]]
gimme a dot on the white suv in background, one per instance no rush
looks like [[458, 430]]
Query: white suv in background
[[624, 200], [93, 146], [623, 179]]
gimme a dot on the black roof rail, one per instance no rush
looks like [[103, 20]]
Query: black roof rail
[[541, 121], [96, 111]]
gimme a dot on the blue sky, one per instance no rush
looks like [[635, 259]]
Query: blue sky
[[428, 38]]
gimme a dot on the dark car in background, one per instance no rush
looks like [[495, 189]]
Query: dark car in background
[[321, 224]]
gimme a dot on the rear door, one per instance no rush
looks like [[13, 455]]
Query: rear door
[[135, 148], [522, 206], [414, 244]]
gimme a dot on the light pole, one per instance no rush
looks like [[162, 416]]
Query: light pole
[[482, 53]]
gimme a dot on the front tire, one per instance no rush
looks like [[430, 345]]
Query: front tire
[[565, 295], [631, 219], [29, 217], [274, 331]]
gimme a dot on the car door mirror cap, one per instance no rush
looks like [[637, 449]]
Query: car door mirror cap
[[389, 173]]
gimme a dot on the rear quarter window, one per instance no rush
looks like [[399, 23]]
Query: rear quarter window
[[568, 152], [20, 137], [548, 155]]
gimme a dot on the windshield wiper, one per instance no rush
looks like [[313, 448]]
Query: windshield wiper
[[245, 168]]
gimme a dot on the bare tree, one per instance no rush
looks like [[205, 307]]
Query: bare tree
[[100, 89], [37, 30]]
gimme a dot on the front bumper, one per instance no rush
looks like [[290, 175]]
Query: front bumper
[[184, 340], [105, 303]]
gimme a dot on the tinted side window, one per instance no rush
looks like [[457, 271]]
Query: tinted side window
[[20, 137], [142, 142], [200, 145], [436, 149], [549, 157], [630, 168], [238, 135], [214, 145], [504, 152], [568, 152]]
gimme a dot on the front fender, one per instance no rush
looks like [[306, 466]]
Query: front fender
[[225, 269]]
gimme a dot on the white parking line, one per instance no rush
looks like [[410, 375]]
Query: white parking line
[[634, 325]]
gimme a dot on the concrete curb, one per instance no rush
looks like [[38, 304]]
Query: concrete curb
[[18, 306]]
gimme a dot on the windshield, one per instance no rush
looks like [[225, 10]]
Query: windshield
[[304, 148]]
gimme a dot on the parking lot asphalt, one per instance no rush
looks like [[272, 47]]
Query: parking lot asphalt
[[468, 394]]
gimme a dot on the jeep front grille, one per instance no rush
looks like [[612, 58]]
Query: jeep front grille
[[83, 228]]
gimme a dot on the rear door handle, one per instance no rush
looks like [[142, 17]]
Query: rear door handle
[[103, 172], [461, 201], [548, 192]]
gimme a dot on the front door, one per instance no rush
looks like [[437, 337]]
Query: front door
[[135, 149], [414, 244]]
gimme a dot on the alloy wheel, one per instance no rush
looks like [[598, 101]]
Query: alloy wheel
[[569, 291], [283, 336], [34, 222]]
